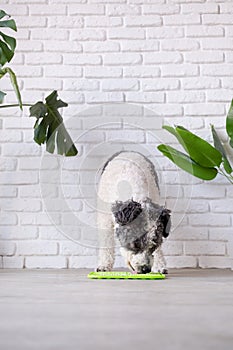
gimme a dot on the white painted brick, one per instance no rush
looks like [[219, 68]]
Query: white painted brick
[[61, 21], [13, 262], [199, 8], [103, 72], [141, 72], [24, 47], [219, 206], [16, 10], [172, 248], [122, 59], [63, 47], [217, 44], [204, 57], [200, 83], [103, 21], [226, 7], [84, 9], [42, 84], [19, 205], [185, 97], [147, 97], [88, 34], [229, 31], [182, 19], [18, 178], [7, 248], [53, 233], [229, 57], [8, 218], [204, 109], [8, 191], [36, 247], [219, 95], [102, 97], [82, 59], [119, 84], [189, 233], [220, 233], [181, 45], [64, 72], [78, 262], [121, 10], [220, 262], [204, 248], [179, 70], [17, 232], [162, 57], [181, 261], [217, 19], [43, 58], [7, 164], [47, 34], [139, 45], [209, 220], [46, 262], [160, 84], [208, 191], [126, 33], [101, 47], [166, 9], [39, 219], [81, 84], [21, 150], [165, 33], [47, 10], [26, 22], [204, 31], [72, 248], [143, 21]]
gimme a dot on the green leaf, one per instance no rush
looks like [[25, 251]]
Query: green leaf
[[51, 129], [229, 124], [7, 43], [40, 132], [199, 150], [2, 94], [11, 42], [10, 23], [14, 83], [186, 163], [3, 14], [219, 146]]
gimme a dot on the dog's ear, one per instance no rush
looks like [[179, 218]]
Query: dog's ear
[[126, 212], [165, 218]]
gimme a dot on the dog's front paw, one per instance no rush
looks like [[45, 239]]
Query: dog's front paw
[[163, 271], [102, 269]]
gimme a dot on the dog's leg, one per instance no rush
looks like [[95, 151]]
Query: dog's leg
[[106, 242], [159, 261]]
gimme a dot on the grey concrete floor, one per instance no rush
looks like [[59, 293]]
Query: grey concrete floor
[[51, 309]]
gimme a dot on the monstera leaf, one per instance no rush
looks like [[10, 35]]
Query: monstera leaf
[[229, 124], [7, 43], [49, 127], [14, 83], [218, 145]]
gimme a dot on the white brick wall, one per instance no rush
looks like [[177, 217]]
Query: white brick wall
[[157, 59]]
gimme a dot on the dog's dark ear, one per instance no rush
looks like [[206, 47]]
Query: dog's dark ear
[[165, 218], [126, 212]]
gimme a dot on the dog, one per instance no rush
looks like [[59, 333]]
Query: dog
[[129, 214]]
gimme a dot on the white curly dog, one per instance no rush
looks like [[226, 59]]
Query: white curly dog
[[129, 214]]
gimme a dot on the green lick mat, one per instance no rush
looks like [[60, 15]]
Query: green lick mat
[[125, 275]]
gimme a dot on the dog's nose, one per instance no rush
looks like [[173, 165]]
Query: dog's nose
[[145, 269]]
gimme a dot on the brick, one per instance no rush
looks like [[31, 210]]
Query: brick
[[7, 164], [122, 10], [11, 149], [72, 248], [9, 192], [122, 59], [160, 84], [162, 57], [48, 34], [126, 33], [139, 45], [172, 248], [209, 220], [190, 233], [220, 262], [199, 8], [217, 44], [204, 248], [36, 247], [82, 262], [53, 233], [220, 233], [40, 219], [229, 57], [61, 21], [120, 84], [19, 178], [185, 97], [103, 72], [83, 9], [46, 262], [16, 10], [47, 9], [217, 19], [179, 70], [43, 58], [141, 72], [22, 205], [103, 21], [165, 33], [200, 83], [82, 59], [23, 46], [63, 72], [182, 45], [63, 47], [17, 232], [87, 34], [102, 97], [181, 261], [147, 97], [204, 109], [42, 84], [204, 31], [7, 248], [8, 218], [81, 85], [219, 206], [142, 21], [182, 19], [208, 191], [166, 9], [126, 135], [226, 8], [13, 262], [219, 96], [101, 47], [204, 57]]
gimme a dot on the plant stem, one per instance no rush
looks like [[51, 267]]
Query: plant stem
[[15, 105], [226, 176]]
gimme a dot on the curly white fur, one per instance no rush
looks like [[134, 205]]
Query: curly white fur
[[128, 175]]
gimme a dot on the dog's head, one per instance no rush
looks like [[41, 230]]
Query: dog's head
[[140, 229]]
